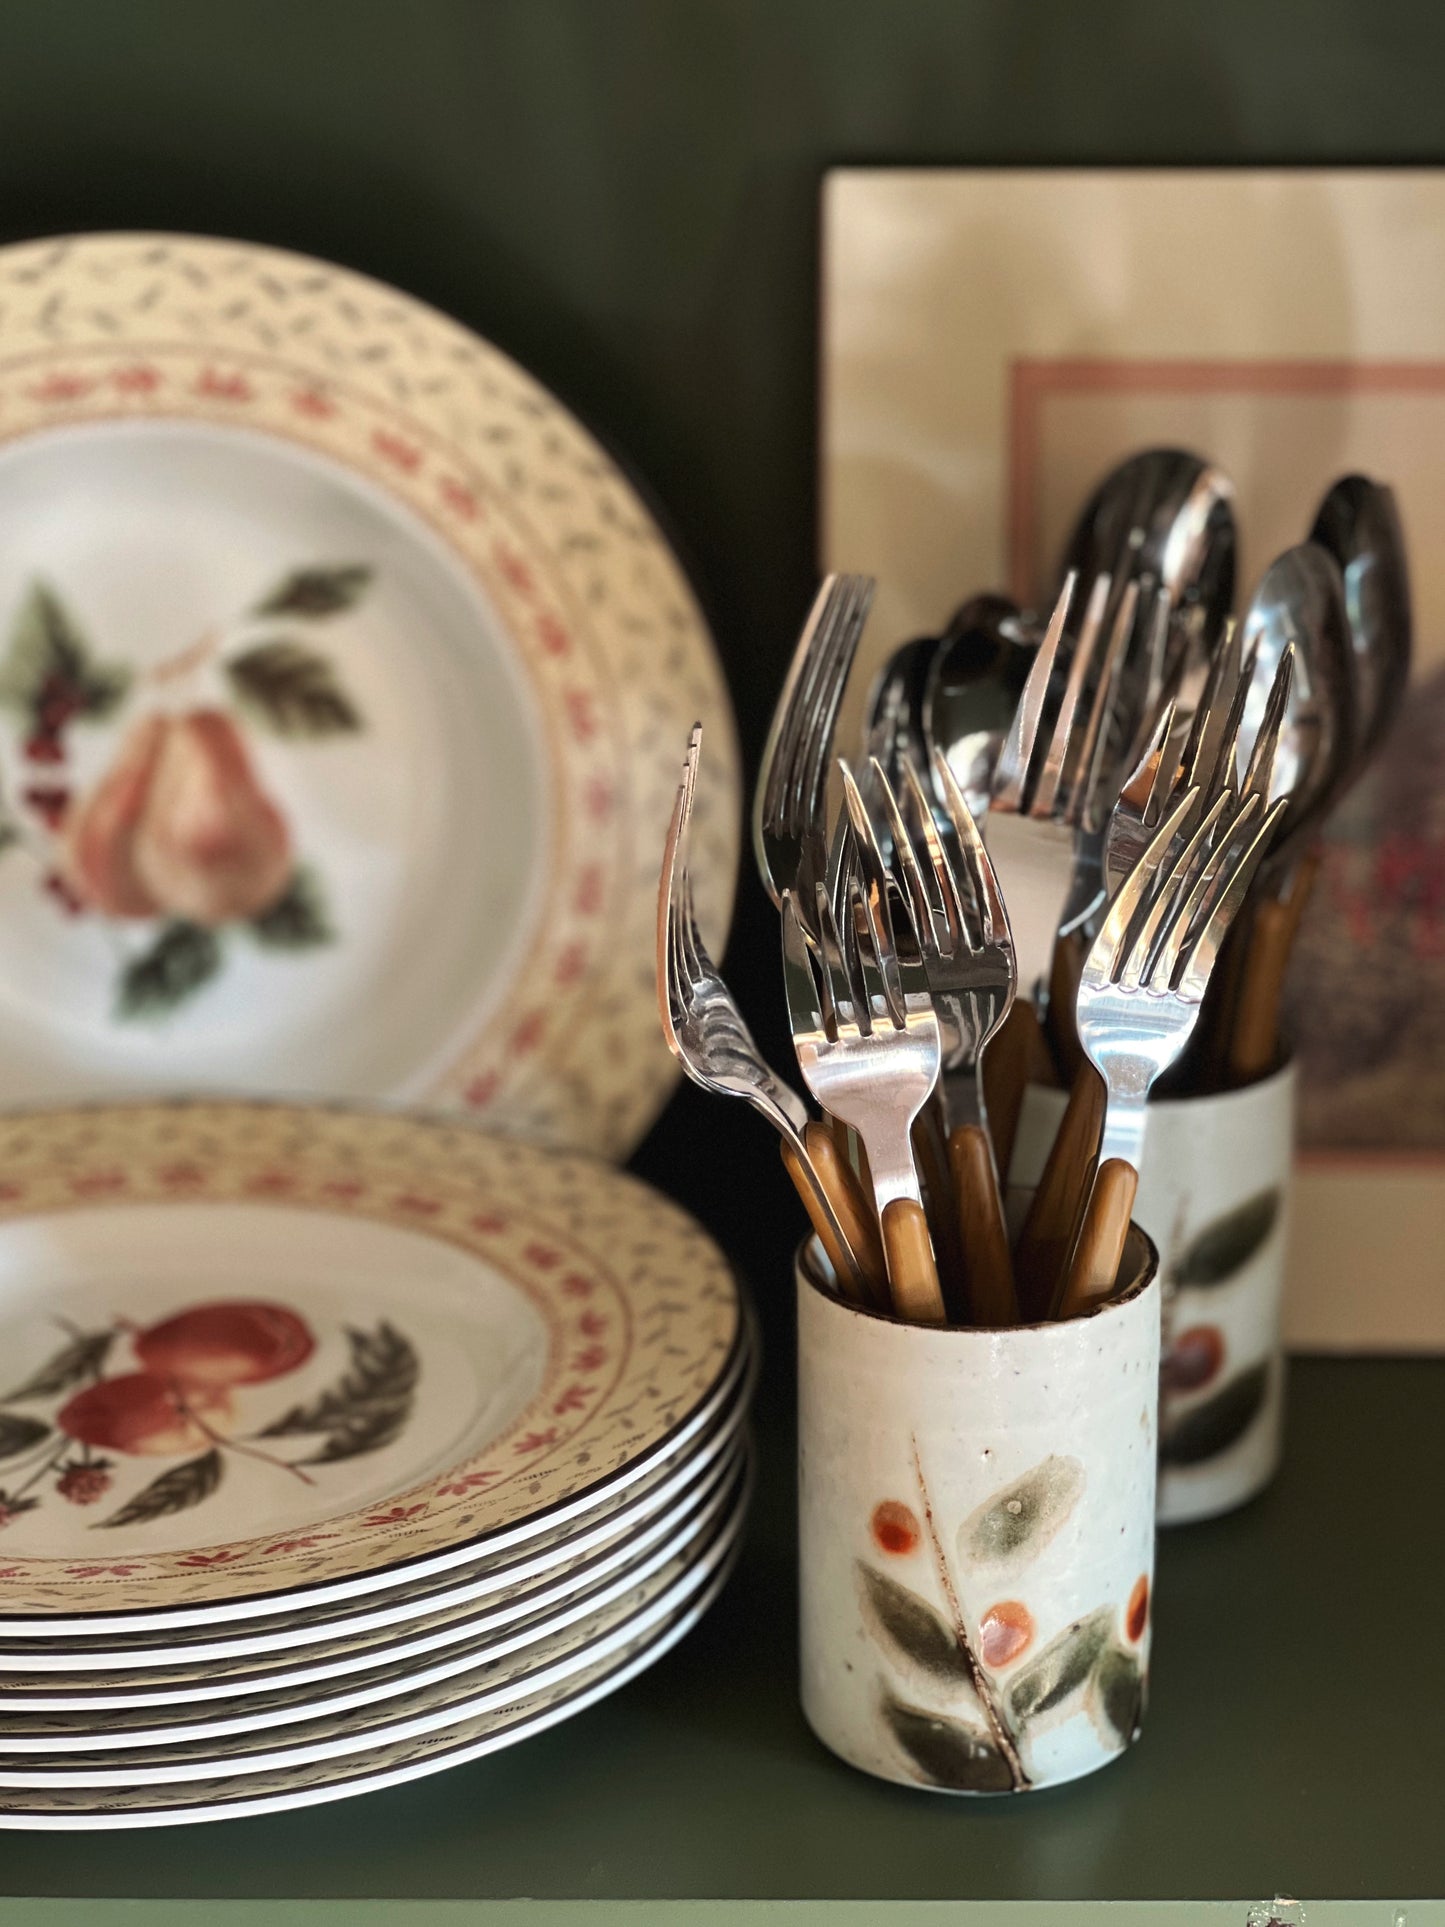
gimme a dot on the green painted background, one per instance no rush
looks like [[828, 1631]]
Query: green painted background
[[624, 195]]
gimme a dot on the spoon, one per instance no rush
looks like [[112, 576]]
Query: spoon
[[1301, 599], [1359, 524]]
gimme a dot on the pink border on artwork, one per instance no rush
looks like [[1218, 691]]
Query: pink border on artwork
[[1034, 381]]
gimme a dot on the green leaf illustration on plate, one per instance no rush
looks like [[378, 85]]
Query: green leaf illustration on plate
[[292, 690], [1208, 1429], [174, 1491], [183, 958], [946, 1752], [18, 1434], [317, 593], [1063, 1667], [297, 920], [1227, 1244], [1118, 1694], [83, 1357], [910, 1631], [49, 673], [1018, 1522], [367, 1408]]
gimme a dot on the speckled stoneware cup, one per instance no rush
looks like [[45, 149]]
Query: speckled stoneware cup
[[977, 1537], [1214, 1197]]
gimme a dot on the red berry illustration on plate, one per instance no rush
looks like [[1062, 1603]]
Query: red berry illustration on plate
[[230, 1342], [1005, 1631], [895, 1528], [1194, 1358], [142, 1413], [83, 1484], [1136, 1618]]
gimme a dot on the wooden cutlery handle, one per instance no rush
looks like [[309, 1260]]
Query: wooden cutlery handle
[[849, 1266], [912, 1272], [1254, 1038], [1062, 1031], [1058, 1204], [983, 1235], [1095, 1263], [853, 1206], [1016, 1054]]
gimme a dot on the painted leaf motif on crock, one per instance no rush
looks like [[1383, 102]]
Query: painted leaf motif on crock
[[292, 690], [1018, 1522], [317, 593], [181, 961], [365, 1409], [908, 1629], [946, 1752], [1227, 1244], [297, 920], [1063, 1667], [174, 1491], [1210, 1428], [82, 1357], [18, 1433], [1117, 1700]]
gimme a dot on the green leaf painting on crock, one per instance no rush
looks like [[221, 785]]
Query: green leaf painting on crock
[[1017, 1523], [913, 1635], [1222, 1249], [1063, 1667], [1205, 1430], [947, 1752]]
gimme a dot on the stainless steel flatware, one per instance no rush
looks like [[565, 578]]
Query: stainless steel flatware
[[1358, 523]]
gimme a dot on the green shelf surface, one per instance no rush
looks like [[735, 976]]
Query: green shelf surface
[[1294, 1744]]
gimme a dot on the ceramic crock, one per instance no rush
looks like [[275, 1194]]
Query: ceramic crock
[[977, 1536], [1214, 1197]]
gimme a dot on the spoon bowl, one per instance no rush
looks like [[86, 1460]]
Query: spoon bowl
[[1359, 524]]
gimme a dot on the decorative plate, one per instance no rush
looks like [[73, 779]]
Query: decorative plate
[[226, 1678], [431, 1710], [46, 1809], [460, 1342], [343, 686], [373, 1681]]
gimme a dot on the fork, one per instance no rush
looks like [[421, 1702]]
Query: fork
[[1030, 827], [1142, 985], [960, 932], [789, 803], [871, 1066], [707, 1034]]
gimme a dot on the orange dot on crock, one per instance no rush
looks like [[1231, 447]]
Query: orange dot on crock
[[895, 1529], [1005, 1631], [1137, 1617]]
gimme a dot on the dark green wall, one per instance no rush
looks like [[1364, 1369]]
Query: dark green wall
[[624, 195]]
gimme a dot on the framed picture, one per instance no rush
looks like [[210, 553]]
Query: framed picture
[[993, 341]]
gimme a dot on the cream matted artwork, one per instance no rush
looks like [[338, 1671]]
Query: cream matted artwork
[[993, 341]]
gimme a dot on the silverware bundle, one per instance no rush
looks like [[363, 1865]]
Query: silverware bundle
[[1080, 855]]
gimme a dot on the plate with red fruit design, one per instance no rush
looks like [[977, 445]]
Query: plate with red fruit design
[[261, 1359], [342, 676]]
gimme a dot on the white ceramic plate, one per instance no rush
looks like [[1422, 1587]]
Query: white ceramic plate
[[46, 1810], [489, 1691], [214, 1650], [205, 1675], [368, 1680], [463, 1342], [343, 686]]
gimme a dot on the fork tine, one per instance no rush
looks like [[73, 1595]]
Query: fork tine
[[788, 714], [1224, 772], [1108, 950], [1142, 947], [1158, 648], [991, 912], [948, 895], [1012, 771], [1192, 916], [1260, 773], [1046, 792], [1150, 781], [1096, 734], [837, 985], [874, 891], [925, 930], [800, 985], [826, 695], [862, 934], [1194, 978], [1202, 750]]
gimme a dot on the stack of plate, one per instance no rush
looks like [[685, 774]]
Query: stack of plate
[[337, 1448]]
